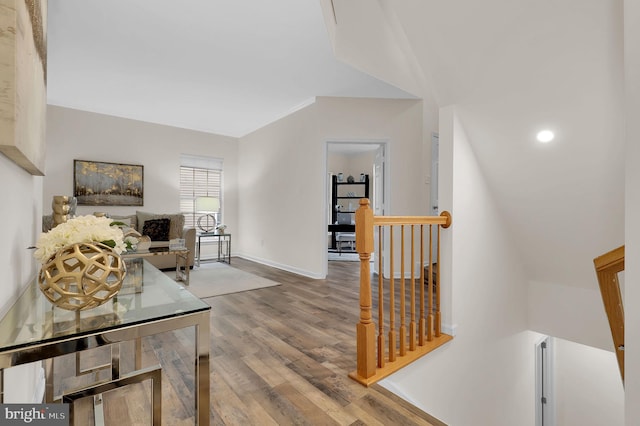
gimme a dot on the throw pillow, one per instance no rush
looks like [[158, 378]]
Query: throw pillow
[[156, 229], [176, 226], [176, 222], [142, 217]]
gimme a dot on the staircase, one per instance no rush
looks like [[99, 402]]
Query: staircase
[[401, 320]]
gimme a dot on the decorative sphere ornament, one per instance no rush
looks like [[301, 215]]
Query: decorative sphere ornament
[[82, 276]]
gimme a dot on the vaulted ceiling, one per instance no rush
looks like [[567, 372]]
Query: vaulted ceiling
[[220, 66]]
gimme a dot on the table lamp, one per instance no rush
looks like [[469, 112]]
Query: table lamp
[[207, 205]]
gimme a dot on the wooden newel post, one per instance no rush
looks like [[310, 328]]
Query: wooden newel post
[[365, 329]]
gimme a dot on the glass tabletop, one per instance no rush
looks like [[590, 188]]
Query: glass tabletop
[[154, 251], [146, 295]]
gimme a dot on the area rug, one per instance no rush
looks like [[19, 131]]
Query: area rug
[[215, 279]]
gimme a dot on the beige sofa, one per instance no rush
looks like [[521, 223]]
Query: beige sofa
[[176, 230], [137, 221]]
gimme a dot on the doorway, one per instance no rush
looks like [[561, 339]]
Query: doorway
[[358, 160]]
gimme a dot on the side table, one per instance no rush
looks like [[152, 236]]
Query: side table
[[224, 254]]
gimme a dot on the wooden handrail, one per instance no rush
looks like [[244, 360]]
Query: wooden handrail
[[424, 334], [444, 219], [607, 267]]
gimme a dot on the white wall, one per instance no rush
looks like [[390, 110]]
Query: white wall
[[21, 208], [351, 164], [588, 389], [572, 313], [337, 162], [485, 376], [283, 175], [74, 134], [632, 211]]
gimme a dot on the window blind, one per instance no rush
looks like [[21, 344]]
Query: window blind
[[201, 162], [197, 182]]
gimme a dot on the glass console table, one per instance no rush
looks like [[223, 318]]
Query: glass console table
[[148, 303]]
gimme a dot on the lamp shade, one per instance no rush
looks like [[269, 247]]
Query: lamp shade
[[207, 204]]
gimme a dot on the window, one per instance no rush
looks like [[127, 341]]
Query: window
[[199, 176]]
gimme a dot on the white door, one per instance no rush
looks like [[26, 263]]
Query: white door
[[379, 194], [378, 183]]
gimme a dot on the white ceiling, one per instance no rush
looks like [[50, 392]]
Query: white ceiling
[[219, 66], [517, 67]]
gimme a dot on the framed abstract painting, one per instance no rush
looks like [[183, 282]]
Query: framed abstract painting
[[108, 184]]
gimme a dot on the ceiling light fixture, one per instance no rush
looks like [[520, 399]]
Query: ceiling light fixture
[[545, 136]]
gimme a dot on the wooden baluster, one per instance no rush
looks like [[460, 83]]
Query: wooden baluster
[[392, 301], [438, 285], [422, 320], [381, 345], [430, 287], [412, 324], [365, 329], [403, 295]]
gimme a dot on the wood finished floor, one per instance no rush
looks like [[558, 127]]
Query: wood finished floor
[[279, 356]]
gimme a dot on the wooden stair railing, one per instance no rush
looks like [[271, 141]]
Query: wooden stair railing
[[412, 337], [607, 267]]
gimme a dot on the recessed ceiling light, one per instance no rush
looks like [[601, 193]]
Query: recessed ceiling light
[[545, 136]]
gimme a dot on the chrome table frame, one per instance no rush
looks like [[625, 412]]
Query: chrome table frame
[[223, 256], [182, 258], [31, 308]]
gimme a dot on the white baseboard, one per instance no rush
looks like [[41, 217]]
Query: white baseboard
[[449, 329], [287, 268]]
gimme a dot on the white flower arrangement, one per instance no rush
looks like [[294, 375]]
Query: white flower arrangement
[[81, 229]]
